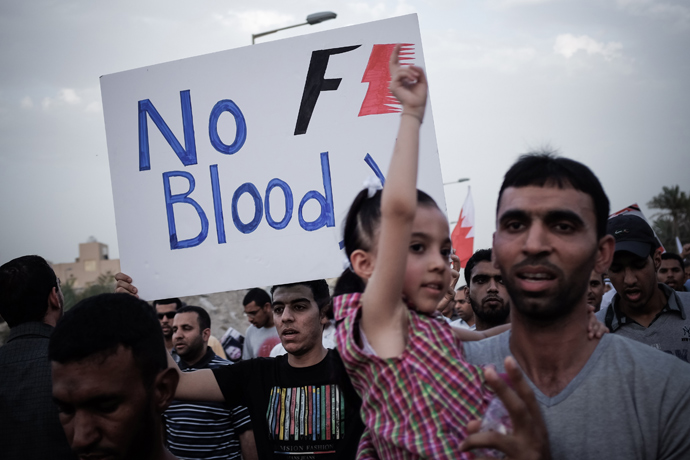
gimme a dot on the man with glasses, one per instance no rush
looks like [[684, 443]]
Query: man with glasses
[[166, 309], [31, 302], [261, 334]]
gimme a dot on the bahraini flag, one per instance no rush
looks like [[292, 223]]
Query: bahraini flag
[[463, 233]]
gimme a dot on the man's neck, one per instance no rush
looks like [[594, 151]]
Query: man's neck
[[196, 358], [310, 358], [551, 355], [645, 314], [484, 325], [168, 344]]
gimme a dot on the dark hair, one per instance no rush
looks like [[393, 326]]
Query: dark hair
[[25, 284], [361, 223], [672, 256], [175, 300], [319, 289], [203, 318], [258, 296], [102, 323], [482, 255], [543, 169]]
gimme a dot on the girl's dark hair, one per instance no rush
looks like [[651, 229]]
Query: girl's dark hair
[[361, 224]]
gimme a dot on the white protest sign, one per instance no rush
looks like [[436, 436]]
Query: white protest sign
[[236, 169]]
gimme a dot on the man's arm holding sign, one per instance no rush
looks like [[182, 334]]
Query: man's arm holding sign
[[200, 385]]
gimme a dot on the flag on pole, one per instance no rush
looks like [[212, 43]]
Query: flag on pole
[[463, 233], [635, 210], [679, 246]]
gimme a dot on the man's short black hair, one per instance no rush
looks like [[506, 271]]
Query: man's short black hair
[[543, 169], [319, 289], [202, 315], [673, 256], [258, 296], [25, 284], [99, 325], [175, 300], [482, 255]]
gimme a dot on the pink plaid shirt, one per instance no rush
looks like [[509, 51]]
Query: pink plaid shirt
[[418, 404]]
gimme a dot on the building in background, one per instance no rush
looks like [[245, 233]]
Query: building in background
[[93, 261]]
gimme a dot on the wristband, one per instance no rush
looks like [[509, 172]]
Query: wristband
[[419, 119]]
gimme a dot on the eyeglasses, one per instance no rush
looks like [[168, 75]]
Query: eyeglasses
[[167, 314], [251, 314]]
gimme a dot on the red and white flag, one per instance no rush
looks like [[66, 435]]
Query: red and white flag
[[463, 233]]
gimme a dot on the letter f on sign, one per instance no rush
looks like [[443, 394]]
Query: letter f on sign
[[316, 83]]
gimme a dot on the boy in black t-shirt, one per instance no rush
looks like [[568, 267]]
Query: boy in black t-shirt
[[301, 403]]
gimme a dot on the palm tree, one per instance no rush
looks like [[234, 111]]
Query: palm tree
[[674, 218]]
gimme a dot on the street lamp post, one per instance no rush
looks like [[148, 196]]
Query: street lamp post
[[312, 19], [464, 179]]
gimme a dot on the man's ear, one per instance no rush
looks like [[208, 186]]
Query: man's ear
[[362, 263], [605, 251], [55, 305], [164, 389], [268, 307], [206, 334], [323, 319], [656, 258]]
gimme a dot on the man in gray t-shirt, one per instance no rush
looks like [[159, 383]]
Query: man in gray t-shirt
[[261, 335], [608, 398], [609, 410]]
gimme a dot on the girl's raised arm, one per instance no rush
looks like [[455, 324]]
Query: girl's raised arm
[[384, 315]]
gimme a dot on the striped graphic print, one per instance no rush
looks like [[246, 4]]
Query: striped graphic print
[[308, 413], [418, 404]]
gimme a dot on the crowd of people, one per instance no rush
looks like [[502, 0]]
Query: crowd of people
[[528, 359]]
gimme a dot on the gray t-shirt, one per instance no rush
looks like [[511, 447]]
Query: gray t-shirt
[[668, 332], [629, 401], [258, 343]]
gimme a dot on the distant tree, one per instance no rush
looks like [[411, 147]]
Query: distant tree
[[674, 219], [103, 284]]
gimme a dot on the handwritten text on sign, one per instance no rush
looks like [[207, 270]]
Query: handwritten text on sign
[[264, 128]]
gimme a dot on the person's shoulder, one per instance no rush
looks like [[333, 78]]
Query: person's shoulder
[[346, 305], [684, 297], [334, 355], [645, 359], [492, 350], [460, 323], [601, 314]]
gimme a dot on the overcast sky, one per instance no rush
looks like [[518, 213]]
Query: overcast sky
[[606, 82]]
